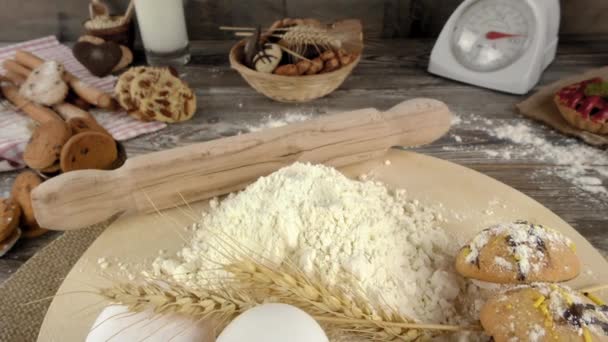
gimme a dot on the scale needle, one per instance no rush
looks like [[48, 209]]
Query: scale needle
[[492, 35]]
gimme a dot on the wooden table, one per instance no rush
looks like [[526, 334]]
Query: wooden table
[[391, 71]]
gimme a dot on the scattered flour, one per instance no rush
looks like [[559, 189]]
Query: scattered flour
[[220, 129], [583, 166], [270, 122], [351, 234]]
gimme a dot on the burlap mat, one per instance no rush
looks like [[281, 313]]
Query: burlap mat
[[540, 107], [37, 279]]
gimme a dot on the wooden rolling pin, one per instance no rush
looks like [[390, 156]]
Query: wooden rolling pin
[[80, 198]]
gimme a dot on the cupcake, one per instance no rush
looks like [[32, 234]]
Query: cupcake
[[585, 105]]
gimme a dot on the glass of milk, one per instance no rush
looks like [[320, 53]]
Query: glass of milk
[[162, 26]]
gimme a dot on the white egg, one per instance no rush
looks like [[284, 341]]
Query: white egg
[[117, 324], [273, 323]]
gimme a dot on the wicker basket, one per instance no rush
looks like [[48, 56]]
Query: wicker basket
[[290, 88]]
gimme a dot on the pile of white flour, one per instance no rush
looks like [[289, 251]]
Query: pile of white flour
[[349, 233]]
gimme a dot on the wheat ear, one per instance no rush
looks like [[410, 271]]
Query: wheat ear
[[223, 307], [299, 36], [173, 298], [348, 312], [255, 283]]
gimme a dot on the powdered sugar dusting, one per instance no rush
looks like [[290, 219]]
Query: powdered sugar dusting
[[504, 263], [527, 243]]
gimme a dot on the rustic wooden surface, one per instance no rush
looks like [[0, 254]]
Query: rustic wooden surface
[[27, 19], [391, 71]]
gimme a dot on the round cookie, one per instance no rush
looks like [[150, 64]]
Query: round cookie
[[9, 217], [155, 94], [45, 84], [88, 150], [123, 86], [519, 252], [170, 100], [22, 187], [544, 312], [142, 86], [33, 232], [51, 169], [45, 145], [81, 124]]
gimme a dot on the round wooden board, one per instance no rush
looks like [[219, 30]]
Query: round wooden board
[[469, 201]]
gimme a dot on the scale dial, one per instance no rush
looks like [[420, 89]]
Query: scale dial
[[492, 34]]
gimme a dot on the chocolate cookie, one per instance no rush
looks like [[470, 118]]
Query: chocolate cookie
[[91, 39], [46, 143], [99, 59], [519, 252], [544, 312], [88, 150], [22, 187], [9, 217]]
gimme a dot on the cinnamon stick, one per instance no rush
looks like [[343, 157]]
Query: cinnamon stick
[[36, 112], [89, 93]]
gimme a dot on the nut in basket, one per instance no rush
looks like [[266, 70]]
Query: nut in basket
[[298, 60]]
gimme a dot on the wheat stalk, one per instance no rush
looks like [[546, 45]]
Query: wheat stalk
[[256, 283], [347, 311], [166, 298], [317, 300], [299, 36]]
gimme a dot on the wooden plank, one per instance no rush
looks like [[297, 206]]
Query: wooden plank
[[28, 19], [391, 71], [584, 17], [371, 12]]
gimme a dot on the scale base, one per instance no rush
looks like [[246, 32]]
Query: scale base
[[498, 80]]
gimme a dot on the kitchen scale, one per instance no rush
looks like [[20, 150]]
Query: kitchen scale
[[498, 44]]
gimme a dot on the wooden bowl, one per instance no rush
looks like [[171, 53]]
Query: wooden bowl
[[290, 88]]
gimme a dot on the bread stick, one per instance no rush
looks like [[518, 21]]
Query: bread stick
[[12, 66], [36, 112], [15, 77]]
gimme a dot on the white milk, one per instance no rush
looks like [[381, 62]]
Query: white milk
[[162, 25]]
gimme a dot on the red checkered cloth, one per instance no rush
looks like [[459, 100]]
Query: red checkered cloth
[[15, 127]]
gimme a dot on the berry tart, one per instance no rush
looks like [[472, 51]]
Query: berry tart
[[585, 105]]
